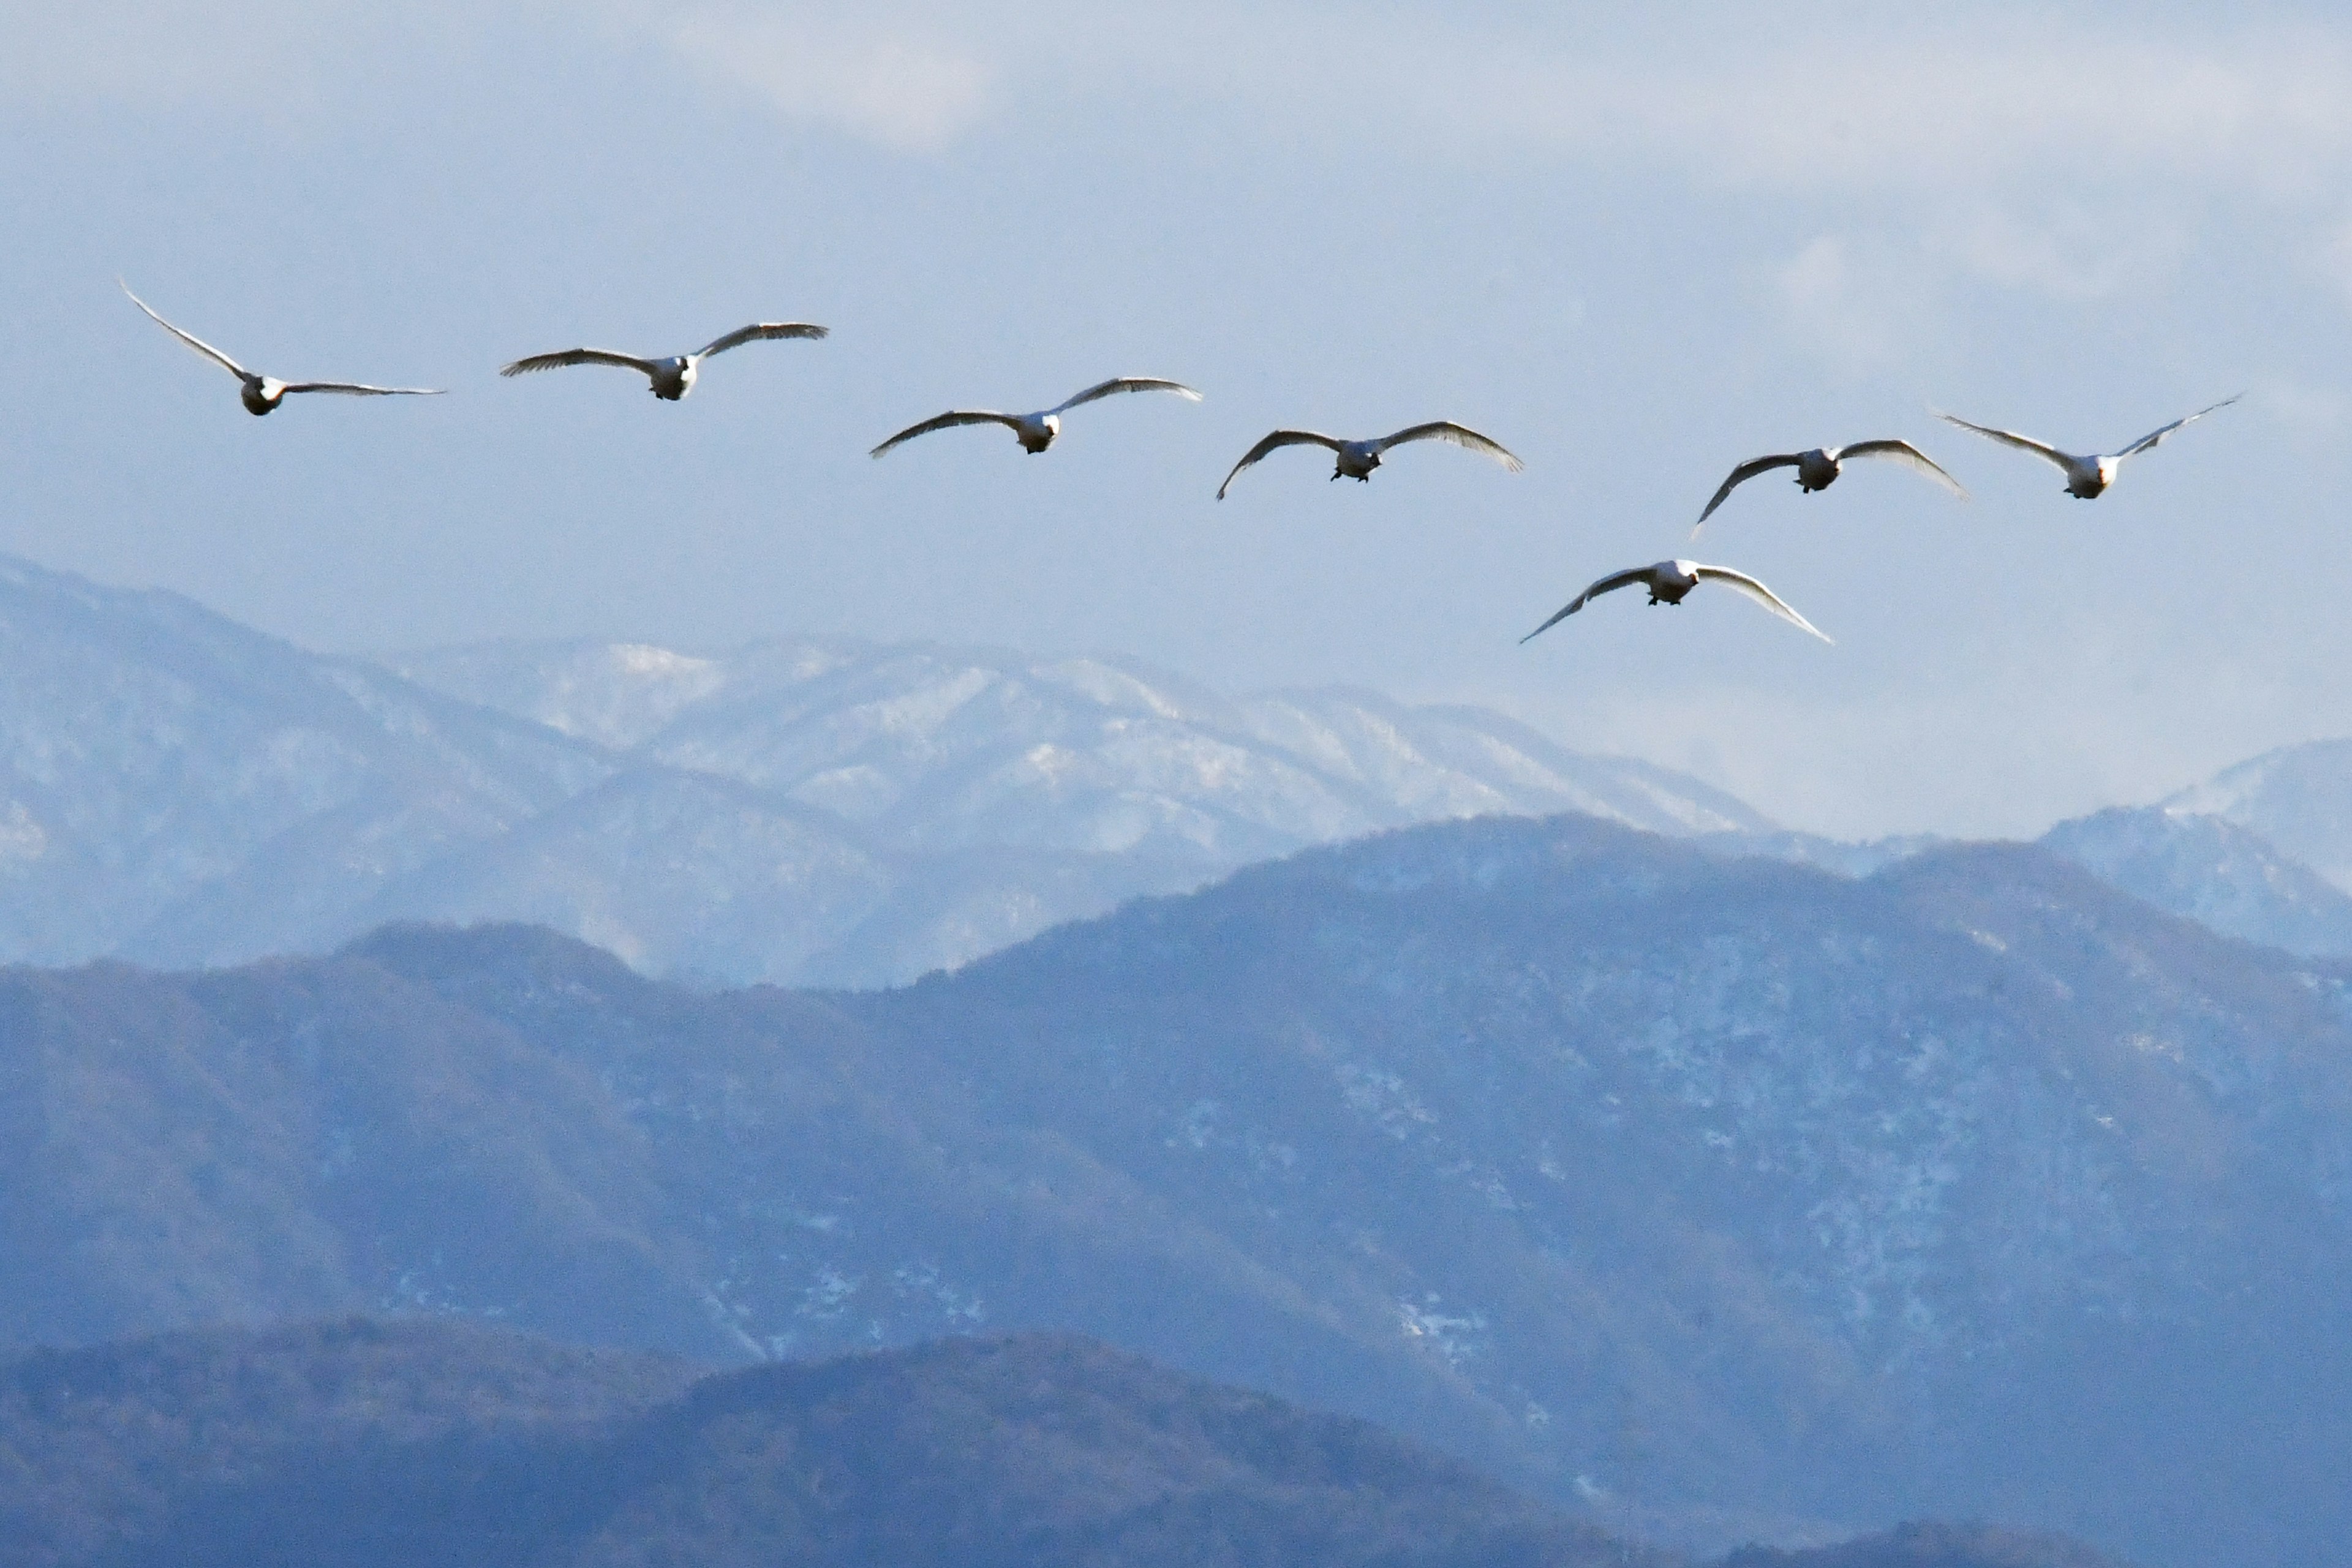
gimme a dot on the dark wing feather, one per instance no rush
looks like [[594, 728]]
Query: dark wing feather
[[1278, 440], [1740, 476], [1608, 584], [360, 389], [578, 356], [2155, 437], [947, 421], [759, 331]]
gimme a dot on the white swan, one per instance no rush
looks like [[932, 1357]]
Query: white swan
[[1036, 431], [1357, 459], [673, 377], [1669, 581], [2086, 476], [263, 392], [1818, 468]]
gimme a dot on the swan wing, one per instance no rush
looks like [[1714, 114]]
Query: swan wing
[[1459, 435], [361, 389], [1740, 476], [578, 356], [1275, 441], [1910, 457], [1758, 591], [759, 331], [2156, 438], [1118, 383], [190, 338], [949, 420], [2041, 449], [1608, 584]]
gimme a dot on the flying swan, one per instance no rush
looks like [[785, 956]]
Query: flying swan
[[673, 377], [1818, 468], [1669, 581], [1357, 459], [1036, 431], [2085, 476], [263, 392]]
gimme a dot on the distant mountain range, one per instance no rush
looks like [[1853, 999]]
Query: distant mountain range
[[357, 1445], [2263, 851], [177, 789], [1713, 1197]]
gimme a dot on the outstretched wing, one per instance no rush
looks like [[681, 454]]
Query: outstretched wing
[[360, 389], [1118, 383], [1280, 439], [2154, 436], [759, 331], [578, 356], [947, 421], [1910, 457], [2041, 449], [1460, 435], [195, 342], [1740, 476], [1756, 591], [1608, 584]]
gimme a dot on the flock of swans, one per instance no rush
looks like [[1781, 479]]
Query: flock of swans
[[1668, 582]]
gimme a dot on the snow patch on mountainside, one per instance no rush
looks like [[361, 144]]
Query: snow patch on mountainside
[[181, 790]]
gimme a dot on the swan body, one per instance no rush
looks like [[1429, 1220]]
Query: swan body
[[262, 393], [1818, 469], [2088, 475], [673, 377], [1357, 459], [1669, 582], [1035, 432]]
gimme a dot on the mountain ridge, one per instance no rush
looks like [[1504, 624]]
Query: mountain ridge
[[1721, 1196], [362, 1444], [177, 789]]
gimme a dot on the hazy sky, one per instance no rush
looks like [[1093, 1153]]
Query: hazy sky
[[1635, 252]]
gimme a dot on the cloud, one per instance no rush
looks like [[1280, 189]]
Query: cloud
[[1857, 304], [1922, 110], [1724, 97], [885, 84], [179, 51], [2076, 251], [1731, 99]]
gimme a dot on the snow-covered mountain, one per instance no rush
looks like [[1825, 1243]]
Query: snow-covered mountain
[[2213, 871], [938, 748], [840, 813], [178, 789], [2297, 798], [2262, 851]]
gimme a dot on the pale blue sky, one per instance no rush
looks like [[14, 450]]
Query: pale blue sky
[[1636, 253]]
